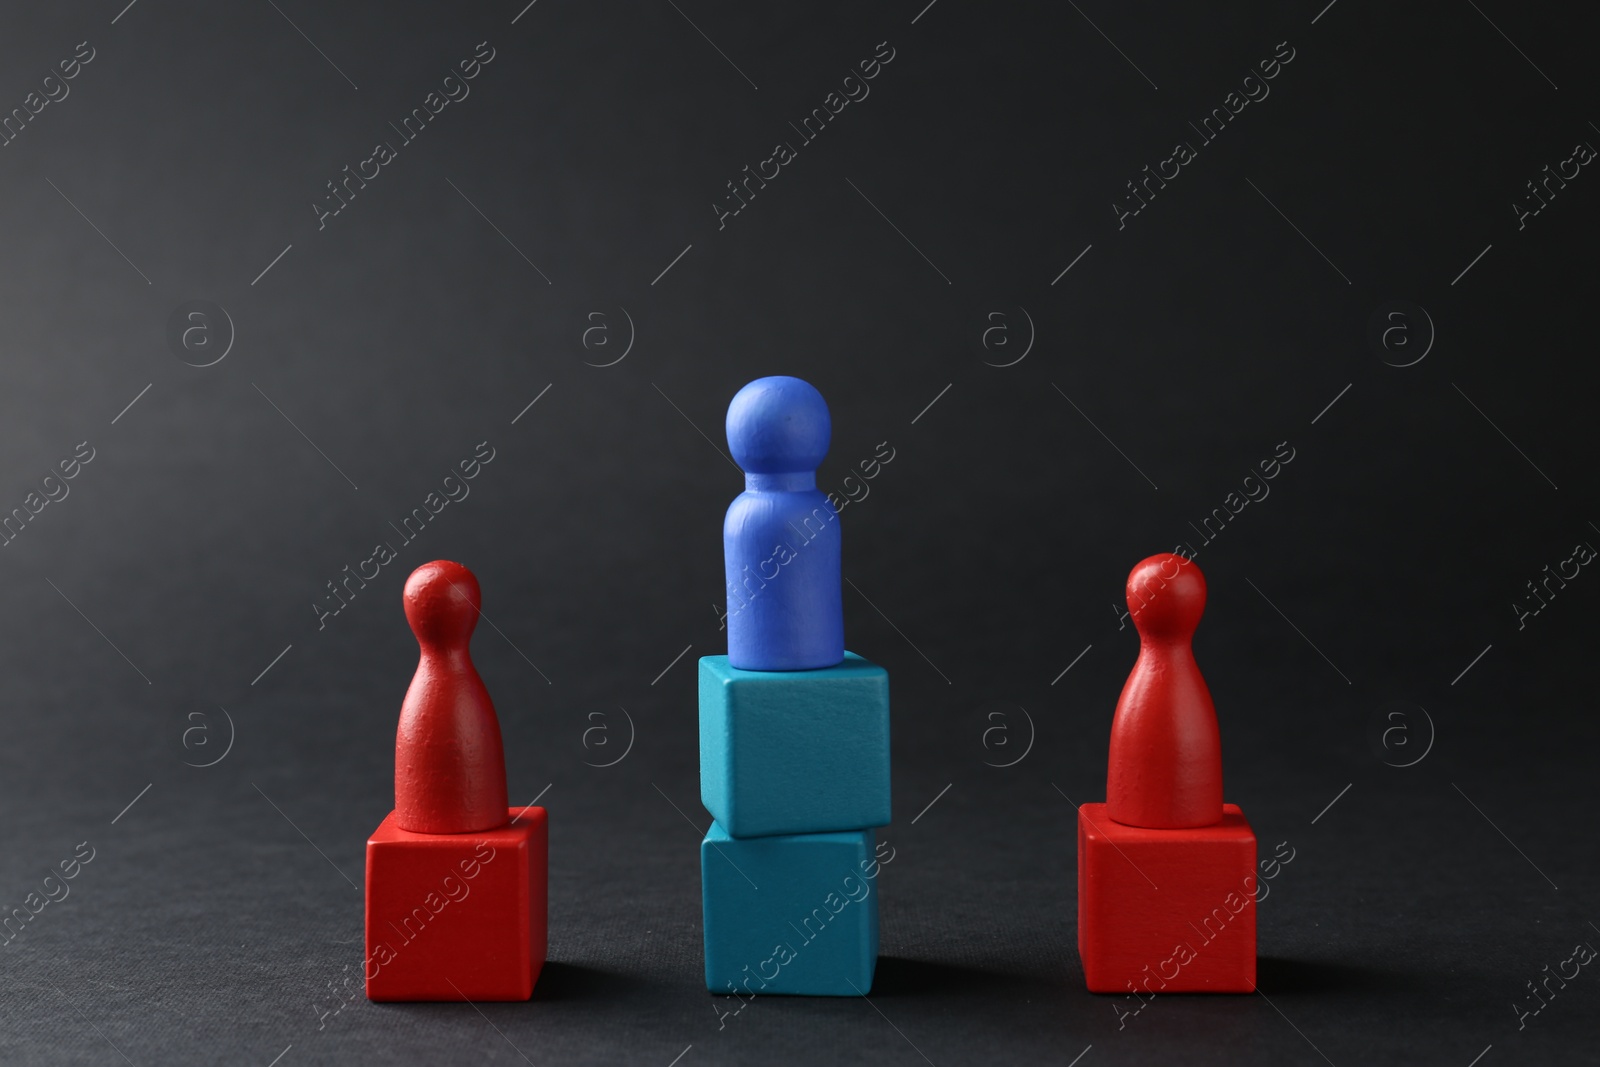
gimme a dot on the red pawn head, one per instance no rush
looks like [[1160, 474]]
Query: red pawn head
[[1165, 769], [449, 766]]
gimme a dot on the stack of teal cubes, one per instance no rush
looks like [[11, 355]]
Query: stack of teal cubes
[[794, 767]]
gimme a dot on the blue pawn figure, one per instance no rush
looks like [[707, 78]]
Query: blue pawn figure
[[780, 539]]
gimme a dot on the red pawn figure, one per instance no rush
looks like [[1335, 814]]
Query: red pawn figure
[[1166, 870], [456, 882], [1165, 769]]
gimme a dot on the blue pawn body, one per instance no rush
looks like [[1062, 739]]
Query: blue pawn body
[[780, 539]]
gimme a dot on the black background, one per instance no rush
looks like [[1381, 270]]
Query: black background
[[986, 559]]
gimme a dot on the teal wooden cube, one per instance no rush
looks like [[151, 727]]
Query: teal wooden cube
[[794, 752], [792, 914]]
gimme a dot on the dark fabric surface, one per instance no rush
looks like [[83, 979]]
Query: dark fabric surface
[[219, 920]]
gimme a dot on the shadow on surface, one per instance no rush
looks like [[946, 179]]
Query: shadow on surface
[[1320, 976], [897, 977], [571, 981]]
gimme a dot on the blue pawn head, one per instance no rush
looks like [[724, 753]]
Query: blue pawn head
[[781, 536], [779, 425]]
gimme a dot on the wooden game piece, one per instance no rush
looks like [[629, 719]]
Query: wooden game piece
[[794, 752], [449, 766], [456, 882], [791, 914], [1165, 768], [781, 536], [1167, 880]]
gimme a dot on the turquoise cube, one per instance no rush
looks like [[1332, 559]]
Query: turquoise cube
[[792, 914], [794, 752]]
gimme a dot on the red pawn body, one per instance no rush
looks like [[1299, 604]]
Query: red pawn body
[[456, 882], [449, 766], [1165, 770], [1166, 872]]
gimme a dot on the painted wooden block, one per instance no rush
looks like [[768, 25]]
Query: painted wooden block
[[1166, 911], [788, 752], [457, 916], [791, 914]]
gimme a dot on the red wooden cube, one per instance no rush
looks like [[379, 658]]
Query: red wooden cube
[[457, 916], [1166, 911]]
